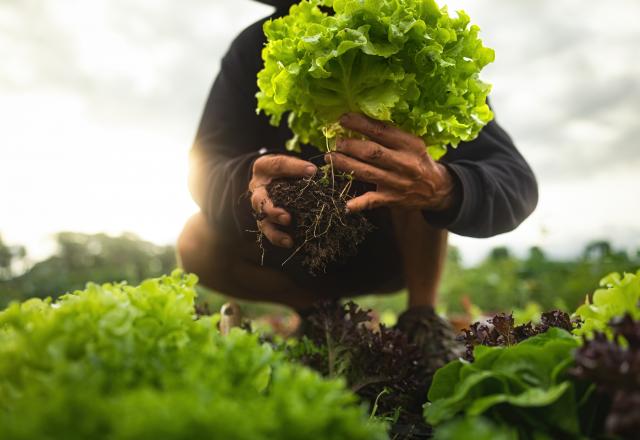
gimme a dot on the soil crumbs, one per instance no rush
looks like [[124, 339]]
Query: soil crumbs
[[322, 230]]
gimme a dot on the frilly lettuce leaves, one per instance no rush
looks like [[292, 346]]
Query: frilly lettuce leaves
[[618, 295], [132, 362], [403, 61]]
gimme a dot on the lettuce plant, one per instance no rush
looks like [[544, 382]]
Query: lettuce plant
[[539, 381], [379, 364], [524, 385], [502, 331], [403, 61], [132, 362], [618, 295]]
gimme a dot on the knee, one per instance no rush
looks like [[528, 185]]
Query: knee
[[192, 243], [202, 252]]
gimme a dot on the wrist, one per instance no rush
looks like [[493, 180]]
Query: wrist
[[447, 190]]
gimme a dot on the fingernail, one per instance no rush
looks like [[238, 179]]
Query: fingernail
[[283, 219], [344, 118], [286, 242], [310, 171], [347, 211]]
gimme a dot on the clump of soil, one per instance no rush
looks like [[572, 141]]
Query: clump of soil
[[322, 230]]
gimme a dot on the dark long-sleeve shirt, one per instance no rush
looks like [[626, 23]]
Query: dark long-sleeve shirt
[[497, 188]]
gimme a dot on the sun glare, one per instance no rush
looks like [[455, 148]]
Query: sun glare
[[98, 122]]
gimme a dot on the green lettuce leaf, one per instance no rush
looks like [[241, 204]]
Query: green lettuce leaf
[[481, 427], [524, 384], [403, 61], [619, 295]]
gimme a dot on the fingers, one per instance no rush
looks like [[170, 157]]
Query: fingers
[[382, 132], [263, 206], [269, 217], [367, 173], [375, 154], [266, 168], [369, 200], [275, 235]]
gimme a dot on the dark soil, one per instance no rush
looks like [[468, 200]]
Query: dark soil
[[322, 230]]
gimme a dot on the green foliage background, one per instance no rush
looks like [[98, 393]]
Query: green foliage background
[[503, 281], [500, 282], [77, 259]]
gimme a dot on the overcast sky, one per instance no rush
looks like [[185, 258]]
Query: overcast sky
[[99, 102]]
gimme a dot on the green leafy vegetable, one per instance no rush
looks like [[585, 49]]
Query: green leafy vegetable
[[523, 385], [123, 362], [540, 381], [403, 61], [482, 429], [619, 295], [502, 331]]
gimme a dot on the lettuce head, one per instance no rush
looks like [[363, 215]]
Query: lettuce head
[[407, 62]]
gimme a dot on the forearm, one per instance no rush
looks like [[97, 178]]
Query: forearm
[[218, 184]]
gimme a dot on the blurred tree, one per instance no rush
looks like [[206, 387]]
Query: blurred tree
[[499, 253], [597, 251], [80, 258], [9, 256], [454, 257], [500, 282]]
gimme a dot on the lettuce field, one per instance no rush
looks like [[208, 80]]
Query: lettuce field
[[119, 361], [130, 362]]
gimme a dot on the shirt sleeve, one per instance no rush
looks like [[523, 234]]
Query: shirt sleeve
[[497, 188], [230, 137]]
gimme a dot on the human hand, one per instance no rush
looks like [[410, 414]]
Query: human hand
[[265, 169], [397, 162]]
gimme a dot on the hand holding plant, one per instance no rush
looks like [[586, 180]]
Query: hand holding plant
[[395, 161], [265, 170]]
